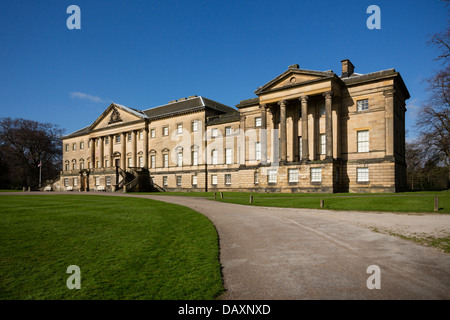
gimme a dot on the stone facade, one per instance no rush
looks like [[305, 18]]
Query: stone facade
[[306, 131]]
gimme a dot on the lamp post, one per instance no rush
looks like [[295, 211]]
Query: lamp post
[[40, 175]]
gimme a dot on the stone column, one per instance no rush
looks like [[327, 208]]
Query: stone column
[[283, 142], [328, 123], [134, 147], [243, 143], [295, 155], [263, 135], [275, 147], [305, 143], [337, 129], [93, 152], [389, 121], [111, 145], [145, 147], [101, 152], [124, 151]]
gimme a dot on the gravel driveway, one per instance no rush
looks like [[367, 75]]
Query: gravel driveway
[[279, 253]]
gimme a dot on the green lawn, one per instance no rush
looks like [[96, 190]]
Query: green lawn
[[126, 248], [393, 202]]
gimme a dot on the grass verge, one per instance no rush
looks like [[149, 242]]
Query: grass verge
[[126, 248], [386, 202]]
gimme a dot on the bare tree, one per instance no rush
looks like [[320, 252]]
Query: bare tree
[[434, 116], [28, 144]]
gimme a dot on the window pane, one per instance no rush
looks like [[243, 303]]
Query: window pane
[[300, 147], [258, 150], [180, 159], [316, 174], [194, 158], [258, 122], [322, 110], [362, 174], [363, 141], [272, 176], [293, 175], [228, 158], [323, 145], [214, 156], [152, 161], [362, 104]]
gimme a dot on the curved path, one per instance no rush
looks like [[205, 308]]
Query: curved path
[[279, 253]]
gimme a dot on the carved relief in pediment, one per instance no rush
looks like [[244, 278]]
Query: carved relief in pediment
[[115, 117]]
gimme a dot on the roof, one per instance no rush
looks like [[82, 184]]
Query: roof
[[176, 107], [77, 133], [248, 102], [186, 105], [136, 112], [223, 118], [357, 78]]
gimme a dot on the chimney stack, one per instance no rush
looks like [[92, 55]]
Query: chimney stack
[[347, 68]]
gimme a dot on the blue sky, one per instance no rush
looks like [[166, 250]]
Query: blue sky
[[145, 53]]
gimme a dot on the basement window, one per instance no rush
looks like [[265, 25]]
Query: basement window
[[272, 176], [362, 174], [316, 174]]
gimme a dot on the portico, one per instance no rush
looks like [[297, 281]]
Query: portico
[[301, 112]]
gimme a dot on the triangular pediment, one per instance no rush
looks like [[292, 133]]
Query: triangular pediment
[[116, 114], [293, 77]]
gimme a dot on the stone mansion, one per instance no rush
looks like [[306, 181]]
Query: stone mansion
[[305, 131]]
